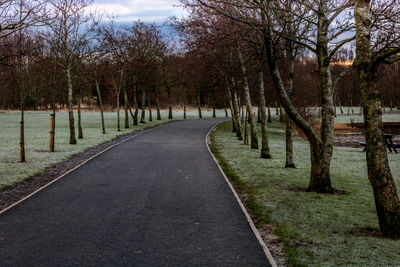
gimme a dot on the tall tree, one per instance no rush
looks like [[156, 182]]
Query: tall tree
[[376, 44]]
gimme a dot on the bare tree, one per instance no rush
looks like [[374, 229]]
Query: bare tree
[[69, 31]]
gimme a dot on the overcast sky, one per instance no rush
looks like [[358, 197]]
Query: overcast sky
[[145, 10]]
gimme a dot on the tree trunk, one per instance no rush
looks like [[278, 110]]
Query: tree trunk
[[158, 105], [265, 152], [225, 109], [237, 116], [184, 104], [319, 180], [149, 104], [269, 115], [135, 103], [199, 105], [235, 112], [322, 183], [100, 105], [118, 118], [246, 130], [80, 132], [259, 120], [386, 198], [340, 107], [253, 128], [231, 104], [52, 129], [143, 113], [169, 104], [289, 89], [126, 105], [22, 136], [72, 138], [320, 172]]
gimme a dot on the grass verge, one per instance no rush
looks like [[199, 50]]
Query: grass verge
[[317, 230]]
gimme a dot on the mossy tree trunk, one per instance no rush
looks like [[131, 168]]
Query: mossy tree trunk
[[385, 193], [243, 75]]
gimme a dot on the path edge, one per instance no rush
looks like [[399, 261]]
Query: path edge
[[74, 168], [249, 220]]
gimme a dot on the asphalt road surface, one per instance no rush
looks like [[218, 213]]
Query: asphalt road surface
[[158, 199]]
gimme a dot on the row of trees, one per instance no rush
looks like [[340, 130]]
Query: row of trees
[[56, 54], [245, 40]]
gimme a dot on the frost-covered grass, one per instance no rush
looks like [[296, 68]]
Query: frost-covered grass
[[37, 139], [387, 117], [317, 229]]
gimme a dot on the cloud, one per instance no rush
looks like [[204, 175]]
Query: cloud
[[145, 10]]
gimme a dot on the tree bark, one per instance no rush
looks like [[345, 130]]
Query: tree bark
[[72, 138], [269, 115], [22, 136], [126, 105], [143, 113], [237, 116], [385, 193], [328, 115], [135, 103], [117, 92], [246, 130], [184, 104], [253, 128], [289, 89], [265, 151], [149, 104], [80, 132], [169, 104], [100, 105], [225, 109], [52, 129], [158, 104]]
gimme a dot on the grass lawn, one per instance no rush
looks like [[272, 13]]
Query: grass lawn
[[37, 139], [316, 229]]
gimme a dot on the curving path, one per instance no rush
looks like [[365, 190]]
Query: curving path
[[158, 199]]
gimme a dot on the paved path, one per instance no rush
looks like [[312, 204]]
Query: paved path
[[155, 200]]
